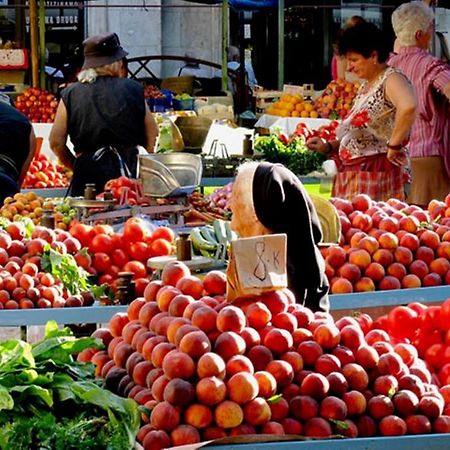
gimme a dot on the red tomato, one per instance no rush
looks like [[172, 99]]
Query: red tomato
[[417, 307], [434, 355], [429, 320], [160, 247], [134, 230], [402, 322], [103, 229], [101, 262], [444, 317], [84, 233], [137, 268], [117, 240], [101, 243], [113, 271], [164, 233], [139, 251], [381, 323], [105, 279], [119, 257]]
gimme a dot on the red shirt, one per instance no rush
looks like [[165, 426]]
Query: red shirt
[[430, 135]]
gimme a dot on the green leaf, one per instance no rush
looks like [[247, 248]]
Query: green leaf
[[15, 354], [6, 401], [275, 398], [35, 391], [392, 391], [340, 424]]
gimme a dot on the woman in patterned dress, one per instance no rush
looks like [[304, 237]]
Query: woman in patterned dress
[[369, 150]]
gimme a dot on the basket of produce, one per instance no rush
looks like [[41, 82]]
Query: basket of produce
[[170, 174], [183, 102]]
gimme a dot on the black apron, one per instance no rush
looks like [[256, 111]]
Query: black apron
[[101, 166]]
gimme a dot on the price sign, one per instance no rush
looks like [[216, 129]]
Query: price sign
[[257, 265]]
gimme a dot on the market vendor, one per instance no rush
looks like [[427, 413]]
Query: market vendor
[[370, 150], [268, 198], [429, 146], [106, 117], [17, 149]]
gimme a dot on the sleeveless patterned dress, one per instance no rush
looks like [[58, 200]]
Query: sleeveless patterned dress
[[363, 135]]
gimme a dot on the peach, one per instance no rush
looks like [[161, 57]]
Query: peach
[[352, 336], [195, 344], [367, 357], [392, 426], [342, 286], [389, 224], [164, 417], [117, 323], [229, 344], [365, 284], [239, 363], [442, 424], [285, 321], [397, 270], [383, 256], [338, 383], [388, 241], [191, 285], [121, 353], [231, 318], [310, 352], [317, 428], [409, 223], [276, 301], [184, 434], [189, 311], [405, 402], [242, 387], [291, 390], [211, 365], [228, 414], [278, 340], [134, 307], [266, 382], [356, 376], [429, 239], [403, 255], [150, 344], [326, 364], [361, 202], [215, 282], [198, 416], [390, 364], [380, 406], [303, 407], [369, 244], [385, 385], [212, 433], [333, 408], [279, 408], [158, 387], [178, 365], [173, 327], [242, 430], [204, 318], [211, 391], [356, 403], [440, 266], [443, 251], [294, 359], [178, 304], [173, 272], [258, 315], [260, 356], [159, 352], [140, 372], [361, 221], [431, 406], [182, 331], [301, 335], [147, 312], [350, 271], [179, 392], [343, 353], [251, 337], [366, 426], [418, 424], [282, 372], [336, 256], [291, 426], [151, 290], [432, 279], [425, 254], [156, 439], [327, 336], [144, 396], [360, 258], [389, 283], [315, 385], [411, 281], [164, 297], [257, 412]]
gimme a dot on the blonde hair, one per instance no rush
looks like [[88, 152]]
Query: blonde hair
[[410, 18], [90, 75]]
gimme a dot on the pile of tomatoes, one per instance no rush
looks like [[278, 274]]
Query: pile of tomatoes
[[326, 132], [107, 253], [38, 105], [44, 173], [126, 191]]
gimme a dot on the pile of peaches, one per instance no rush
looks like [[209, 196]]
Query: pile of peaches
[[389, 245], [204, 369]]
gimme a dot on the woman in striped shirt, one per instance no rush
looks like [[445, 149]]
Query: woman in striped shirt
[[429, 145]]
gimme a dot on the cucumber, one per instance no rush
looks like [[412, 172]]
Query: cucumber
[[220, 230], [200, 242]]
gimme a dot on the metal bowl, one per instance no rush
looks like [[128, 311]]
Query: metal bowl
[[170, 174]]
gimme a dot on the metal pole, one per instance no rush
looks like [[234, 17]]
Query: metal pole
[[34, 44], [280, 44], [42, 43], [225, 43]]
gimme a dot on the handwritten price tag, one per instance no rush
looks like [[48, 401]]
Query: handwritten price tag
[[257, 265]]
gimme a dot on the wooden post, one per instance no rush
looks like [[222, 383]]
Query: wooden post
[[280, 44], [225, 43], [34, 44], [42, 44]]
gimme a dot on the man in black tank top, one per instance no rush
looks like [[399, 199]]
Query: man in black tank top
[[17, 148]]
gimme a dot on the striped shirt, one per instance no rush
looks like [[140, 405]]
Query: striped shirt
[[430, 135]]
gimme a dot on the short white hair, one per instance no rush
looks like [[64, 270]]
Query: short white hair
[[408, 19], [89, 76]]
